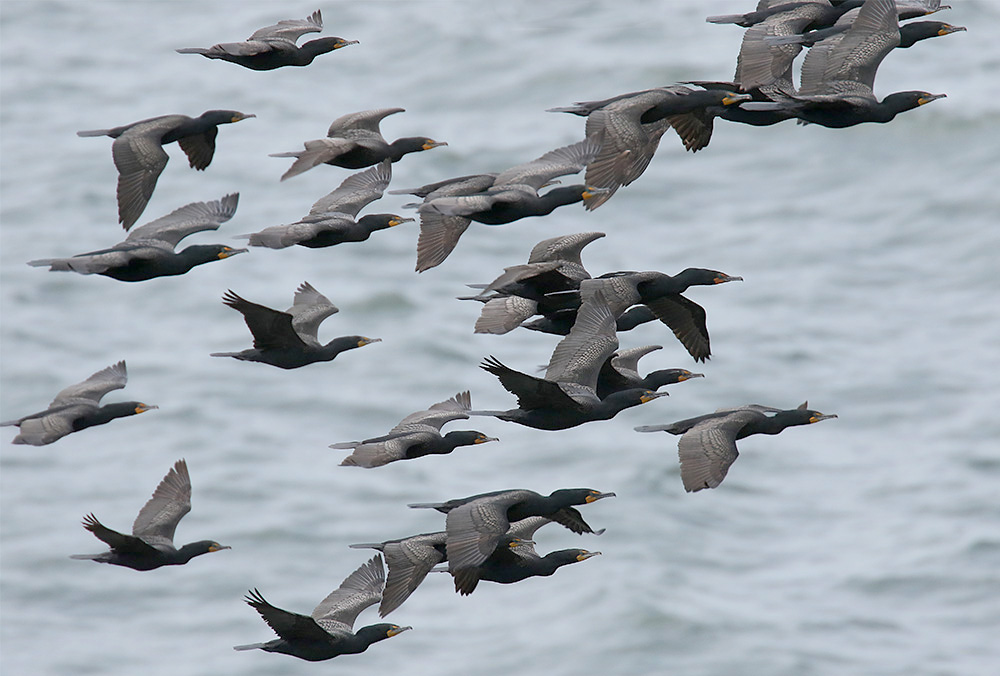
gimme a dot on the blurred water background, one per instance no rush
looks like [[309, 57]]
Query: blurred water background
[[865, 545]]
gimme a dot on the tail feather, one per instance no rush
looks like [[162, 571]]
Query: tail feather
[[725, 18], [93, 132], [249, 646], [192, 50], [345, 445], [426, 505]]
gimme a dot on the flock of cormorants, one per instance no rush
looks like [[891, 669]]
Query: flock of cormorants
[[588, 378]]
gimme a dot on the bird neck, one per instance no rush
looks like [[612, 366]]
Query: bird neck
[[612, 404], [775, 424], [105, 414], [338, 345], [558, 197]]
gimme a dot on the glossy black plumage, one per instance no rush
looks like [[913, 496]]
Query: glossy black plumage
[[151, 544], [140, 158], [619, 372]]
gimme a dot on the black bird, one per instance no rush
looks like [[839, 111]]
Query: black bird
[[515, 559], [354, 142], [909, 33], [274, 46], [417, 435], [140, 158], [77, 407], [151, 543], [328, 631], [567, 395], [333, 218], [288, 339], [523, 290], [511, 195], [475, 525], [838, 75], [148, 251], [620, 372], [707, 446], [631, 125]]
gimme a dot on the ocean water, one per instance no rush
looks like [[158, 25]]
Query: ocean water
[[869, 544]]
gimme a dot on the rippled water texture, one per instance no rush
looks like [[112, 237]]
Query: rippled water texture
[[864, 545]]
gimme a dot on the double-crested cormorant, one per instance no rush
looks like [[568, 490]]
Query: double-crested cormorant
[[515, 559], [78, 407], [522, 290], [354, 142], [140, 158], [838, 74], [620, 372], [288, 339], [707, 446], [417, 435], [631, 125], [148, 251], [512, 195], [328, 631], [476, 525], [151, 543], [409, 560], [274, 46], [333, 218], [567, 395], [662, 294]]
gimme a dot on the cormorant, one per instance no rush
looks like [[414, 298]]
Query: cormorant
[[620, 372]]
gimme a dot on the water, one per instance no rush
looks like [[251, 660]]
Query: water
[[868, 544]]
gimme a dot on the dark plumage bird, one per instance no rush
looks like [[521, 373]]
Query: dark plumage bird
[[818, 13], [333, 218], [274, 46], [288, 339], [909, 33], [475, 525], [515, 559], [567, 395], [140, 158], [328, 631], [620, 372], [151, 543], [522, 291], [838, 75], [148, 251], [511, 195], [354, 142], [78, 407], [417, 435], [631, 125], [707, 446], [662, 294]]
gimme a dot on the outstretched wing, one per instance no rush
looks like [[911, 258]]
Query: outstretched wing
[[171, 500], [308, 311], [95, 387], [187, 220], [271, 329], [360, 589]]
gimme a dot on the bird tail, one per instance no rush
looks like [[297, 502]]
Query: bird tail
[[725, 18], [249, 646], [367, 545], [84, 557], [192, 50], [344, 445], [234, 355], [575, 109], [425, 505], [291, 153], [665, 427]]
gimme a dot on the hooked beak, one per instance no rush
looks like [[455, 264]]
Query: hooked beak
[[594, 497], [821, 416], [924, 100]]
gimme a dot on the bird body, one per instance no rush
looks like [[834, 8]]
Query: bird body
[[707, 447], [288, 339], [275, 46], [148, 251], [77, 407], [151, 544], [417, 435], [327, 632], [620, 372], [140, 158]]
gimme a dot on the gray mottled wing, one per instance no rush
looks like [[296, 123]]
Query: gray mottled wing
[[356, 192], [708, 449], [569, 159], [845, 64], [360, 589], [579, 356], [247, 48], [45, 427], [455, 408], [760, 62], [517, 273], [308, 311], [282, 236], [475, 528], [504, 314], [526, 528], [626, 362], [566, 249], [171, 500], [439, 235], [461, 185], [316, 152], [365, 120], [383, 450], [619, 291], [140, 159], [187, 220], [409, 560], [465, 205], [95, 387], [290, 29]]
